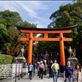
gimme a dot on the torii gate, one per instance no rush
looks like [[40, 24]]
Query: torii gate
[[31, 38]]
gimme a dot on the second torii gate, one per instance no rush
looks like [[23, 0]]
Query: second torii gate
[[46, 32]]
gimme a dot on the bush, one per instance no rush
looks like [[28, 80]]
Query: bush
[[5, 59]]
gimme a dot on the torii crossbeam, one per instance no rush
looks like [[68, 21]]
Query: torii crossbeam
[[46, 32]]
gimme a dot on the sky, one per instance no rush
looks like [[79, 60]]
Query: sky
[[36, 12]]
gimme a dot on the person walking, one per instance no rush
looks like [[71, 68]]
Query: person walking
[[78, 73], [68, 73], [30, 70], [38, 63], [45, 67], [50, 70], [41, 69], [55, 69]]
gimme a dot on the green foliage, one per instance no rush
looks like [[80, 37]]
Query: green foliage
[[51, 47], [3, 35], [78, 0], [67, 15], [27, 24], [5, 59], [9, 18], [8, 31]]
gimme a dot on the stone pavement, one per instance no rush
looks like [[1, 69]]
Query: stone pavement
[[35, 79]]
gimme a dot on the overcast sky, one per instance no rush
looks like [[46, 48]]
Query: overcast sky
[[37, 12]]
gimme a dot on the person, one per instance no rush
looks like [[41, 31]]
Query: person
[[68, 73], [34, 68], [45, 67], [77, 73], [55, 69], [30, 70], [38, 63], [41, 69], [50, 70]]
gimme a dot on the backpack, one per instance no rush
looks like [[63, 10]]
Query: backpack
[[56, 67], [69, 70]]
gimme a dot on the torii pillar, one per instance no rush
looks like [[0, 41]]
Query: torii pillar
[[62, 55], [30, 44]]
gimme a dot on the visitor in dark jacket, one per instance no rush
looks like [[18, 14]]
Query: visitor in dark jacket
[[50, 70], [68, 73]]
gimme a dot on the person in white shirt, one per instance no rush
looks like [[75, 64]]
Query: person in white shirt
[[30, 70]]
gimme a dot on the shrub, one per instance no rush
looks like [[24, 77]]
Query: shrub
[[5, 59]]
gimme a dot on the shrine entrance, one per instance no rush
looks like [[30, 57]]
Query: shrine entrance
[[30, 32]]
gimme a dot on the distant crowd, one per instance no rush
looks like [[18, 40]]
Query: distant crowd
[[53, 70]]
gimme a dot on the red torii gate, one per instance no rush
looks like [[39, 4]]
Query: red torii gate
[[31, 38]]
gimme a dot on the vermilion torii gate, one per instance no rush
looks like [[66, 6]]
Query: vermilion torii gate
[[46, 32]]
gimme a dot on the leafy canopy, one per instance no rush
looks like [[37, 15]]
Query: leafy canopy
[[67, 15], [8, 32]]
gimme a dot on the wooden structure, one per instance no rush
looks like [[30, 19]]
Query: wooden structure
[[46, 32]]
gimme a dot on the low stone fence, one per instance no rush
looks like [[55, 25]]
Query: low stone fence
[[5, 70], [12, 70]]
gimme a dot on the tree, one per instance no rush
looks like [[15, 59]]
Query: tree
[[9, 18], [66, 15], [27, 24], [69, 15], [78, 0], [3, 35], [9, 34]]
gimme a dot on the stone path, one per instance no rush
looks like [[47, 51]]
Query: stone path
[[35, 79]]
